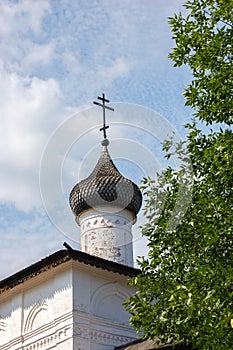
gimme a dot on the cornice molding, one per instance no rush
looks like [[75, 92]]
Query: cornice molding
[[101, 337], [55, 331], [60, 257]]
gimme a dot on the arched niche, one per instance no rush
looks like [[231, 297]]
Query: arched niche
[[38, 316], [107, 302]]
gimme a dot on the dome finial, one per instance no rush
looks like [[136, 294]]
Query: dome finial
[[105, 142], [104, 100]]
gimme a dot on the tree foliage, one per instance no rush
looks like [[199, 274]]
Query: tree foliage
[[185, 289]]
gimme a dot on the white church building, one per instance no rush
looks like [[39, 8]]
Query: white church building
[[72, 299]]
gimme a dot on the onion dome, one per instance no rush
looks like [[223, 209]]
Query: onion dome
[[105, 186]]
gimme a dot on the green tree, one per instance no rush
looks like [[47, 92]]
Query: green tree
[[185, 289]]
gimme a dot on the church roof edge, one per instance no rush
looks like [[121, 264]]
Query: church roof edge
[[60, 257]]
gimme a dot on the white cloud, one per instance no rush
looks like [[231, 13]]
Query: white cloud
[[117, 68], [30, 109], [21, 33], [19, 17], [39, 55]]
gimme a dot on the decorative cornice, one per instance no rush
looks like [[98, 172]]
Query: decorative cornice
[[33, 270], [60, 257], [50, 340], [100, 336], [45, 336]]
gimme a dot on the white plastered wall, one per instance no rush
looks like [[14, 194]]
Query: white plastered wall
[[73, 306], [107, 233], [38, 313]]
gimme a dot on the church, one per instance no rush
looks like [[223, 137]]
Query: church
[[73, 299]]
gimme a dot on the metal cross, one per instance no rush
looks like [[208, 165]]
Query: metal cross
[[104, 100]]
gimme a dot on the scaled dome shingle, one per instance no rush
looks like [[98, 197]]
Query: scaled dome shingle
[[105, 186]]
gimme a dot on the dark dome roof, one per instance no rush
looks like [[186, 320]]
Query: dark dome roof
[[105, 186]]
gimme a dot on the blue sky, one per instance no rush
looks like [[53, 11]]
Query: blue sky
[[56, 58]]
